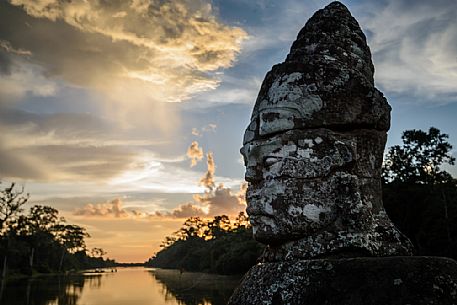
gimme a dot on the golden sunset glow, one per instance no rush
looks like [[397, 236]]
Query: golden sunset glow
[[128, 116]]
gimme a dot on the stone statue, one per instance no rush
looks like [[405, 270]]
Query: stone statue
[[313, 153], [314, 148]]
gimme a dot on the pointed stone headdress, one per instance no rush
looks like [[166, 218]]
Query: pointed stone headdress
[[314, 148]]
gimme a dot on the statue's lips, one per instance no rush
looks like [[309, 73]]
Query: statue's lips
[[256, 211], [259, 219]]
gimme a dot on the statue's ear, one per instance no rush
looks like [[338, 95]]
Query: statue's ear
[[349, 201]]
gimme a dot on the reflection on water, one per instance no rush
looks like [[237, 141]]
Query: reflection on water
[[47, 290], [132, 286], [196, 288]]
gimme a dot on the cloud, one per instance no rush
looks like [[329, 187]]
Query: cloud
[[413, 45], [194, 153], [61, 147], [18, 80], [91, 153], [6, 46], [208, 179], [214, 201], [15, 165], [115, 209], [237, 87], [218, 200], [184, 31], [195, 132], [222, 200], [211, 127], [187, 210], [414, 55], [157, 50], [110, 209]]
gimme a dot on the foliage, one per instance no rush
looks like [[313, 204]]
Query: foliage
[[428, 216], [41, 241], [216, 246], [419, 159], [71, 237], [420, 197], [11, 202]]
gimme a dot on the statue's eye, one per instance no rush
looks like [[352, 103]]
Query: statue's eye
[[270, 161]]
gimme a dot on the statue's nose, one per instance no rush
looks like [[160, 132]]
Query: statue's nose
[[251, 210], [254, 208], [252, 174]]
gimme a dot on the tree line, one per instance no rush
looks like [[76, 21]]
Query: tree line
[[419, 196], [219, 245], [40, 240]]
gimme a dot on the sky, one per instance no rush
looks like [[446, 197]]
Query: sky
[[128, 115]]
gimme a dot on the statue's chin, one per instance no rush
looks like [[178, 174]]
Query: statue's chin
[[268, 240], [266, 235]]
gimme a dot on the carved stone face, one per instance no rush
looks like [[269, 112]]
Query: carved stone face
[[306, 159], [293, 190], [313, 150]]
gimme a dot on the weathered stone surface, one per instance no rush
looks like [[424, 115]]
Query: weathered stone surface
[[313, 150], [326, 80], [313, 153], [353, 281]]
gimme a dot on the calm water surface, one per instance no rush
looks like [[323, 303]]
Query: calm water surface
[[128, 286]]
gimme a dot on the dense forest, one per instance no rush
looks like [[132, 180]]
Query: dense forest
[[41, 241], [215, 246], [419, 196]]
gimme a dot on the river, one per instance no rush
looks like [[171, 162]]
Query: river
[[127, 286]]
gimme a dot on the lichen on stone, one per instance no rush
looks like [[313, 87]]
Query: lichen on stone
[[313, 153], [313, 150]]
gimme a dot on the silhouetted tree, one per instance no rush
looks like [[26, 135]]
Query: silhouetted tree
[[38, 228], [97, 252], [241, 221], [218, 226], [420, 197], [41, 240], [419, 159], [43, 218], [11, 202], [217, 246], [71, 237]]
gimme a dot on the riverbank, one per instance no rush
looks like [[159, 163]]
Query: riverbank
[[19, 276], [130, 285], [218, 246], [196, 287]]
